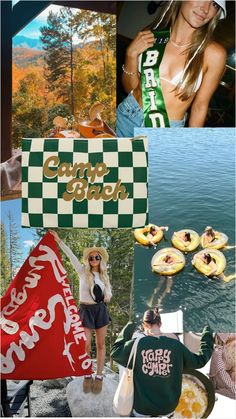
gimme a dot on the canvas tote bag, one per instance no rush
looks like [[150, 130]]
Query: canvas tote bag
[[124, 395], [89, 183]]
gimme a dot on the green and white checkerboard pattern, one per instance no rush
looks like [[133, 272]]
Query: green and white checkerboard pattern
[[42, 202]]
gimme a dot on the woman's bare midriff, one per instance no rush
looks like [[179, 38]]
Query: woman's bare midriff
[[88, 304], [176, 108]]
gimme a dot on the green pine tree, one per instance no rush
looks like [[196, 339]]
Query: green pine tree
[[5, 262], [57, 38], [15, 253]]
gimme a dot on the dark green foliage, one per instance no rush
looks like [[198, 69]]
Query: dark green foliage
[[58, 110], [57, 39], [15, 253], [5, 262]]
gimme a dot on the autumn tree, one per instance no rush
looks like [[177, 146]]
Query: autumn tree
[[81, 74], [95, 73], [28, 111]]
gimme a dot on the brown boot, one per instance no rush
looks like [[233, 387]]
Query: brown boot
[[97, 385], [87, 384]]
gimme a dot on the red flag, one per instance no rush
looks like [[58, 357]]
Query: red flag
[[41, 332]]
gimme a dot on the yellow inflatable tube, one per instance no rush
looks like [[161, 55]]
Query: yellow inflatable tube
[[179, 244], [205, 269], [159, 266], [220, 241], [140, 235]]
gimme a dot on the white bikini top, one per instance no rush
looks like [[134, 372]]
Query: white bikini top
[[177, 78]]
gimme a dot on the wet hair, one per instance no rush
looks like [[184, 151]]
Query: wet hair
[[152, 316], [152, 229], [166, 258], [210, 232], [187, 236], [201, 38], [208, 258]]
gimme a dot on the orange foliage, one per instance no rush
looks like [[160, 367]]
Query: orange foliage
[[19, 73]]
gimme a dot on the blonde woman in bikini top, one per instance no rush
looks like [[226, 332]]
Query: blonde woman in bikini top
[[191, 67]]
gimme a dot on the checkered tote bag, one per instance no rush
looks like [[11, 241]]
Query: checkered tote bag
[[90, 183]]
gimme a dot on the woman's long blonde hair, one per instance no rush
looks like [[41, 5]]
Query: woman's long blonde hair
[[89, 276], [194, 60]]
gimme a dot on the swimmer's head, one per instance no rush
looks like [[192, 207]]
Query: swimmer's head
[[207, 258], [153, 230], [167, 258], [187, 236], [209, 231]]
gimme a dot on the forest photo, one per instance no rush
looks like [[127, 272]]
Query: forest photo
[[64, 72]]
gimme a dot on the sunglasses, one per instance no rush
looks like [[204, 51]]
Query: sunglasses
[[94, 258]]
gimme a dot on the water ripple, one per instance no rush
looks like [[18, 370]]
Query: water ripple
[[191, 184]]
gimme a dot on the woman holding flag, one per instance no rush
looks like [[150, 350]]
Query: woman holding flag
[[172, 67], [94, 293]]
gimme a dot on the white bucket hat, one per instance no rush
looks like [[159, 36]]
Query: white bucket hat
[[222, 4]]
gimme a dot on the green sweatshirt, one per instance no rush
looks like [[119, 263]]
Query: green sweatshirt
[[159, 365]]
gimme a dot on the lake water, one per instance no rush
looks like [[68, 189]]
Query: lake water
[[191, 185]]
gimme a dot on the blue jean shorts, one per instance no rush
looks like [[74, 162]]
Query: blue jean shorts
[[129, 115]]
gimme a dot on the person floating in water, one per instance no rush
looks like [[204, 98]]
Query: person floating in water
[[208, 236], [211, 262], [184, 237], [213, 238], [158, 294], [167, 260], [208, 260], [152, 233]]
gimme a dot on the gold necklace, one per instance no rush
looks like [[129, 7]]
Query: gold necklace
[[178, 45]]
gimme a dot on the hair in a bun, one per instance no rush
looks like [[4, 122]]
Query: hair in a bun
[[152, 316]]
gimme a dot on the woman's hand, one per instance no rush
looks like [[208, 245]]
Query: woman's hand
[[55, 235], [131, 76], [194, 259], [107, 299], [141, 42]]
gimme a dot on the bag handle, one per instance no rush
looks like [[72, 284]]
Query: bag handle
[[133, 352]]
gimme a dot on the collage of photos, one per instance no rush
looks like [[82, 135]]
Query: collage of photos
[[118, 209]]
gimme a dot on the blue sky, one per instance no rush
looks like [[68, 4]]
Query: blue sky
[[26, 234], [32, 30]]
